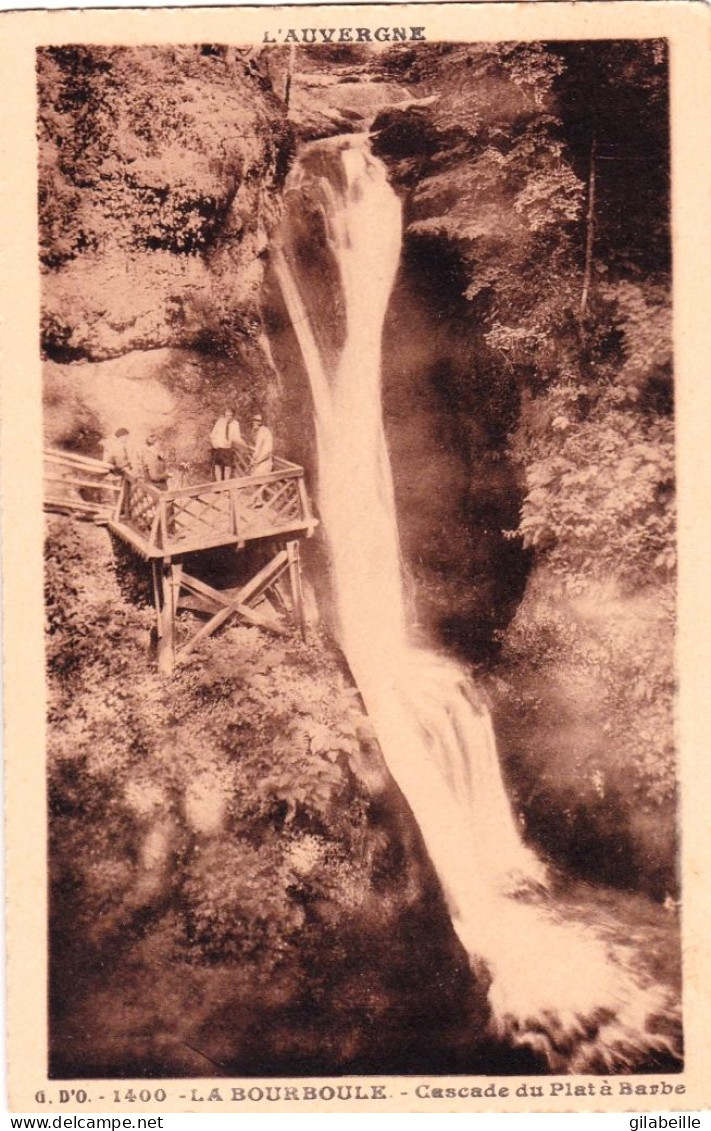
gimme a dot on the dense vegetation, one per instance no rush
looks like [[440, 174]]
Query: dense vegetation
[[226, 837], [158, 167], [567, 281]]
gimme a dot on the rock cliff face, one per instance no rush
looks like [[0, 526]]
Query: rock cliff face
[[160, 170]]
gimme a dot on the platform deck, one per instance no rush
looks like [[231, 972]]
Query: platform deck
[[186, 520]]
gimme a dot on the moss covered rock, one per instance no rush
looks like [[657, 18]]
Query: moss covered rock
[[160, 171]]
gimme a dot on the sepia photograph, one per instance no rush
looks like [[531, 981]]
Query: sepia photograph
[[359, 467]]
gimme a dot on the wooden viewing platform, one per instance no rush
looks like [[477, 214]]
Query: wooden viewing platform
[[165, 526]]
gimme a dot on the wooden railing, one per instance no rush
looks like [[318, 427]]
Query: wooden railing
[[232, 512], [78, 484]]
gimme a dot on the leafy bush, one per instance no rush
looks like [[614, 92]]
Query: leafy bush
[[613, 656], [599, 490], [243, 761]]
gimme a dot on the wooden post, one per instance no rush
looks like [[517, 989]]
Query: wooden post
[[153, 536], [176, 578], [157, 596], [171, 578], [306, 507], [120, 500], [162, 523], [166, 636], [292, 550], [234, 513]]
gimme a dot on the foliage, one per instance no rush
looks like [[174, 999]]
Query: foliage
[[599, 490], [598, 644], [72, 638], [239, 903], [161, 170], [158, 177], [502, 181]]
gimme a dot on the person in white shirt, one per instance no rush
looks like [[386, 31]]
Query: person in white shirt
[[225, 437]]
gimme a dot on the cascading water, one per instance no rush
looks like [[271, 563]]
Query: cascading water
[[553, 988]]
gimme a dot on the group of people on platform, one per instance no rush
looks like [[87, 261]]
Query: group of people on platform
[[230, 453], [227, 444]]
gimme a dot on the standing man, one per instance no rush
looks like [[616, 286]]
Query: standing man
[[224, 438], [263, 447]]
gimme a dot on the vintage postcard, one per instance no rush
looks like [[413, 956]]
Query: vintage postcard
[[355, 476]]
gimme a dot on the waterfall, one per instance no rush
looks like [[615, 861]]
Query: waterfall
[[432, 724]]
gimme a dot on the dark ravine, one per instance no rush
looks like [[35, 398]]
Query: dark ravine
[[569, 614]]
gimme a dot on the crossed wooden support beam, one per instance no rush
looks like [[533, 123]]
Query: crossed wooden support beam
[[175, 589]]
